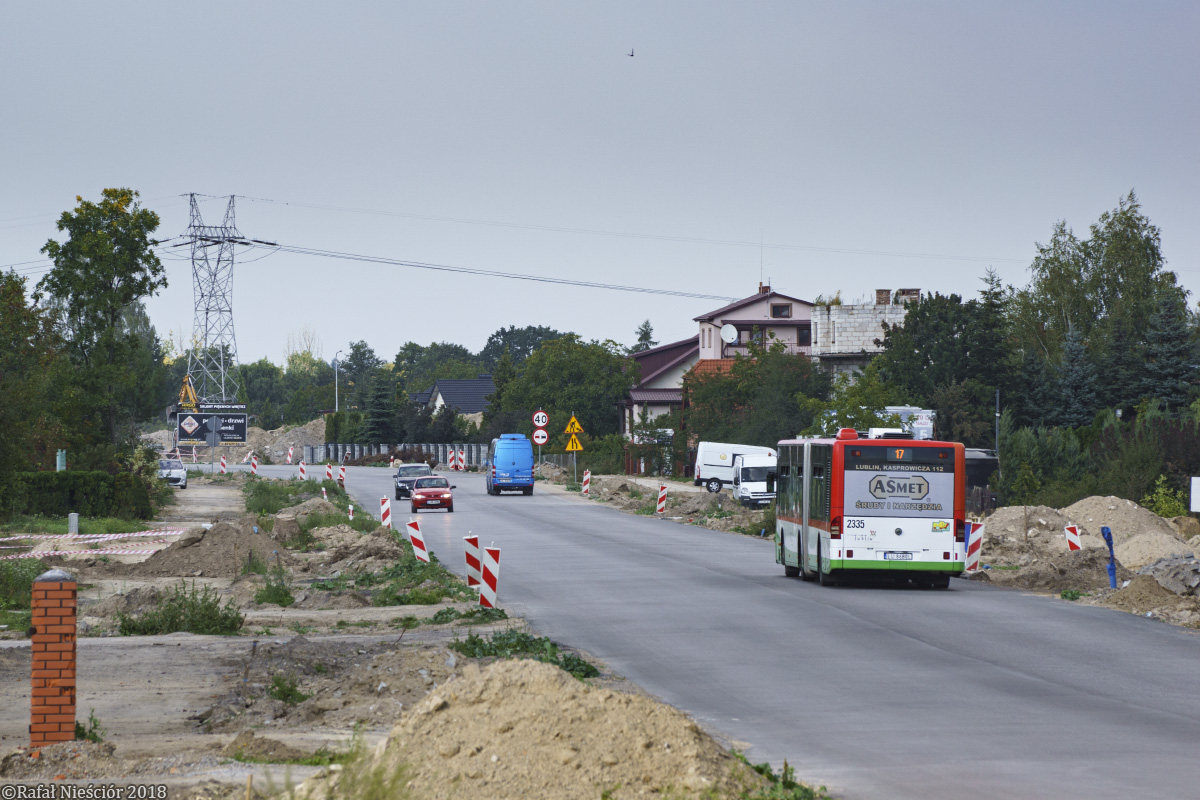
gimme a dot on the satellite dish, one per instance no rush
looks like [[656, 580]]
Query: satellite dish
[[729, 334]]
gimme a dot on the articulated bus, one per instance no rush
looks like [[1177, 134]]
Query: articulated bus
[[888, 508]]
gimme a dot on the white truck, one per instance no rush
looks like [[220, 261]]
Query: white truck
[[754, 479], [714, 462]]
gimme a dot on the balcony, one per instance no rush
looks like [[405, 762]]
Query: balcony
[[742, 348]]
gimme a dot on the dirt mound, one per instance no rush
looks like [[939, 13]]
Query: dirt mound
[[1083, 570], [1142, 594], [302, 512], [355, 552], [1178, 574], [73, 760], [1187, 527], [247, 745], [528, 730], [1139, 536], [221, 552], [133, 602]]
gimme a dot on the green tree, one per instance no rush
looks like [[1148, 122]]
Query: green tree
[[379, 426], [101, 274], [519, 343], [29, 357], [1077, 386], [856, 401], [932, 347], [357, 369], [1170, 371], [570, 376], [645, 338], [417, 366]]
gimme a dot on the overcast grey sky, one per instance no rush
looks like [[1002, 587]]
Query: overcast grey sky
[[940, 138]]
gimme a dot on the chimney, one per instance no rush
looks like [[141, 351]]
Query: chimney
[[883, 297], [764, 289], [908, 296]]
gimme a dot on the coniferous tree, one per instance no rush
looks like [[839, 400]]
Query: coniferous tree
[[1169, 374], [1035, 403], [645, 338], [1077, 384], [379, 427], [1119, 369]]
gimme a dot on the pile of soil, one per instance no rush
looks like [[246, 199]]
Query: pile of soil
[[351, 552], [302, 512], [1179, 574], [523, 729], [1082, 570], [1139, 536], [247, 745], [1141, 595], [74, 760], [221, 551]]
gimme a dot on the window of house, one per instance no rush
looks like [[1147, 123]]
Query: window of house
[[781, 311]]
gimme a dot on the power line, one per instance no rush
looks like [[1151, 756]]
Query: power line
[[396, 262], [630, 235]]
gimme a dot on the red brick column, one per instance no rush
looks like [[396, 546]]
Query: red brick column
[[53, 718]]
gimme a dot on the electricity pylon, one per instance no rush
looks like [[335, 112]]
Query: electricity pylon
[[213, 359]]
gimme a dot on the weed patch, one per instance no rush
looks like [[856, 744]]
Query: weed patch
[[1072, 594], [58, 525], [92, 732], [185, 610], [278, 590], [518, 644], [16, 582], [254, 565], [782, 786], [287, 689]]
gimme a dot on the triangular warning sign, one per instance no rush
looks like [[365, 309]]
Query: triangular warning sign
[[574, 446], [187, 395], [574, 427]]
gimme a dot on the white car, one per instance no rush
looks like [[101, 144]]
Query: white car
[[173, 472]]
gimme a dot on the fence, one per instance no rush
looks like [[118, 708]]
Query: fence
[[475, 454]]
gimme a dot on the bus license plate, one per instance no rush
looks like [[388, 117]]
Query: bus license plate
[[897, 556]]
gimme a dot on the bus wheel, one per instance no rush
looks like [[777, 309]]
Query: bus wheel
[[823, 578], [940, 582]]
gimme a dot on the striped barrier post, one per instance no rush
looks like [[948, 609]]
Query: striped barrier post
[[328, 471], [342, 475], [385, 512], [324, 494], [462, 461], [418, 541], [974, 545], [352, 512], [472, 560], [291, 451], [587, 482], [1073, 537], [662, 499], [303, 472], [222, 465], [490, 577], [391, 462], [253, 465]]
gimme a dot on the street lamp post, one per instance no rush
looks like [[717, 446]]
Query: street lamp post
[[335, 380]]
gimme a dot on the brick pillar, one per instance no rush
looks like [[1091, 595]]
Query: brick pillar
[[53, 717]]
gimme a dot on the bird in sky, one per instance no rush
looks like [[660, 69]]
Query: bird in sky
[[630, 53]]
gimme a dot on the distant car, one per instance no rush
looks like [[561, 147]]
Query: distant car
[[406, 475], [432, 492], [173, 472]]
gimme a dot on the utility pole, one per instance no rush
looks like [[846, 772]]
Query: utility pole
[[213, 358], [335, 380]]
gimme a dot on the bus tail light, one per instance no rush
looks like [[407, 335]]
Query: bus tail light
[[835, 528], [960, 531]]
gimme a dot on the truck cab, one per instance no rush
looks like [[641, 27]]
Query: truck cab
[[754, 479]]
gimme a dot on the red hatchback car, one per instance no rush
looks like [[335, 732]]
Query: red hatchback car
[[432, 492]]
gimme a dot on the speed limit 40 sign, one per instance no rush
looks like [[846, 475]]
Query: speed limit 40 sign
[[541, 419], [540, 437]]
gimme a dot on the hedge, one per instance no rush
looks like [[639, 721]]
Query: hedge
[[89, 494]]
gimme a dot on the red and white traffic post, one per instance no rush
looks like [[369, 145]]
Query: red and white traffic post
[[662, 499], [587, 482], [328, 471], [490, 582], [222, 465], [385, 512], [974, 545], [253, 465], [342, 475], [472, 554], [352, 512], [1072, 532], [418, 541], [291, 451], [462, 460], [303, 473]]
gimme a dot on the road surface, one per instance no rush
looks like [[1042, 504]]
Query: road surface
[[875, 692]]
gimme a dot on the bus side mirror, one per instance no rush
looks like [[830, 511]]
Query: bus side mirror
[[770, 481]]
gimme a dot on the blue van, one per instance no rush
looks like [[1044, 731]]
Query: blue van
[[509, 464]]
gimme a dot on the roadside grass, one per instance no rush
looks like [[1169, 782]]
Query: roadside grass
[[411, 581], [519, 644], [185, 610], [363, 522], [16, 589], [272, 495], [58, 525], [323, 757], [781, 786], [1072, 594], [278, 589]]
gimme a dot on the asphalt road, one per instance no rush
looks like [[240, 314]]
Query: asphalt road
[[875, 692]]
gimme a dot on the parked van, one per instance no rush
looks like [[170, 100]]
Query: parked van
[[714, 462], [509, 464], [754, 479]]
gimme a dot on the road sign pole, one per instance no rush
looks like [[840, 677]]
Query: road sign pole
[[575, 465]]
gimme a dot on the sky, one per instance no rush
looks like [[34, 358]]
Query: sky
[[820, 147]]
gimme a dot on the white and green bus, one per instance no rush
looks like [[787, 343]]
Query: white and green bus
[[889, 507]]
